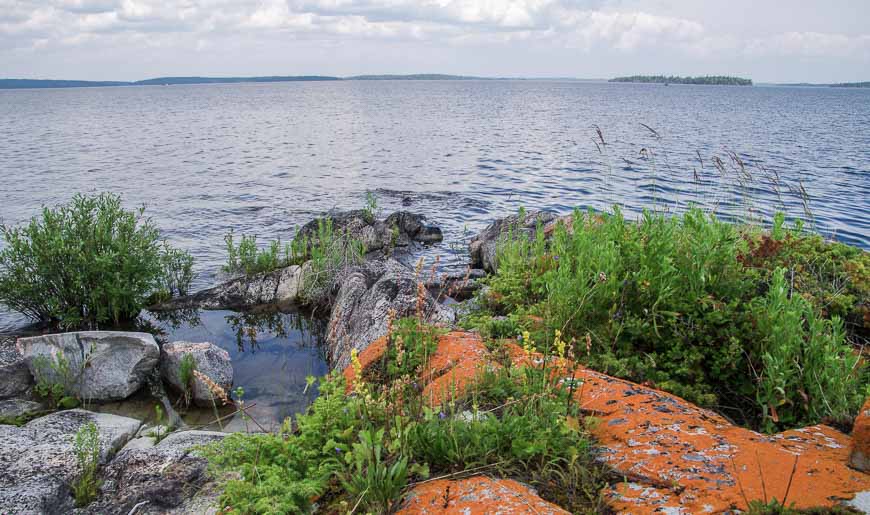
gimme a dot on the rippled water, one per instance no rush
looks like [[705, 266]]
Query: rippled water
[[264, 158]]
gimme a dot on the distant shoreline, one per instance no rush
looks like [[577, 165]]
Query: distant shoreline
[[7, 84]]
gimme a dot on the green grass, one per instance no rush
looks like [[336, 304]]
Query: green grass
[[697, 307]]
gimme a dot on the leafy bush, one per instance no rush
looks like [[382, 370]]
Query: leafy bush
[[88, 263], [55, 381], [673, 301], [86, 485]]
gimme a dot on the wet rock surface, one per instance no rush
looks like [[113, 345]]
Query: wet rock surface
[[366, 294], [37, 460], [103, 365], [167, 477], [398, 230], [211, 361], [281, 288]]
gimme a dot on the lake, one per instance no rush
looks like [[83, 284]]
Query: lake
[[264, 158]]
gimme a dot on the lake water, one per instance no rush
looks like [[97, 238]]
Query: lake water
[[264, 158]]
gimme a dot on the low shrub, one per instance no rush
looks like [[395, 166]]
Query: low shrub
[[88, 264], [685, 304]]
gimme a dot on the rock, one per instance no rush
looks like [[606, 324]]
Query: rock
[[476, 494], [15, 377], [399, 229], [37, 460], [103, 365], [14, 410], [211, 360], [859, 458], [483, 247], [281, 288], [164, 478], [366, 294]]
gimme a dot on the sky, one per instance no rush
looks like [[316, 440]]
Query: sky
[[765, 40]]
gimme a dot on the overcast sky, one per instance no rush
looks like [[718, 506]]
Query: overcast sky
[[766, 40]]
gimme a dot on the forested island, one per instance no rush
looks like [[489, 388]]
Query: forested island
[[719, 80]]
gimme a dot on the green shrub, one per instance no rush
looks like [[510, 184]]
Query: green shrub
[[681, 302], [86, 485], [55, 381], [185, 374], [328, 253], [88, 263], [248, 259]]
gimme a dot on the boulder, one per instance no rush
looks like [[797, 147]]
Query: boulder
[[164, 478], [859, 459], [484, 247], [399, 230], [15, 377], [102, 365], [365, 296], [211, 360], [38, 463], [12, 411]]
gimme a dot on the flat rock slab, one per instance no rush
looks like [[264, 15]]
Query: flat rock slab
[[102, 365], [168, 477], [37, 460]]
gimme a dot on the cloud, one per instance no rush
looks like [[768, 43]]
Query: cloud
[[619, 28]]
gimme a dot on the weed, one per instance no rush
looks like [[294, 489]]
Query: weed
[[87, 450], [185, 375]]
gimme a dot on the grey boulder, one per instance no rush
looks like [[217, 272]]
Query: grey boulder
[[398, 230], [102, 365], [484, 247], [38, 463], [365, 296], [211, 361]]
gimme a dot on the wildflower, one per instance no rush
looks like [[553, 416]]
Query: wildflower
[[559, 344], [216, 390], [442, 415], [602, 277], [358, 383], [529, 344], [338, 450]]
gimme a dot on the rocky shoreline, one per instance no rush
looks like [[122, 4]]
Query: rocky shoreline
[[143, 474]]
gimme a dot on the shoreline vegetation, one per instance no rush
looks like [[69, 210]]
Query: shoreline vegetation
[[718, 80]]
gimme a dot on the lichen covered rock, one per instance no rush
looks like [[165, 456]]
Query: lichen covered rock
[[477, 495]]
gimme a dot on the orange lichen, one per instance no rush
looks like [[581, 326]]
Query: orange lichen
[[477, 495], [860, 457], [675, 457]]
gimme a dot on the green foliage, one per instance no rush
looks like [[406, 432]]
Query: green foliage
[[248, 259], [86, 485], [185, 374], [371, 211], [328, 252], [88, 263], [358, 448], [55, 380], [680, 302]]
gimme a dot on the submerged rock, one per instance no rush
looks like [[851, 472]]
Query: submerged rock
[[211, 361], [484, 247], [38, 463], [167, 477], [365, 296], [101, 365], [15, 377]]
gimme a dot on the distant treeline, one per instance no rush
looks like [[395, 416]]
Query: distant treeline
[[707, 79], [851, 85], [169, 81]]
